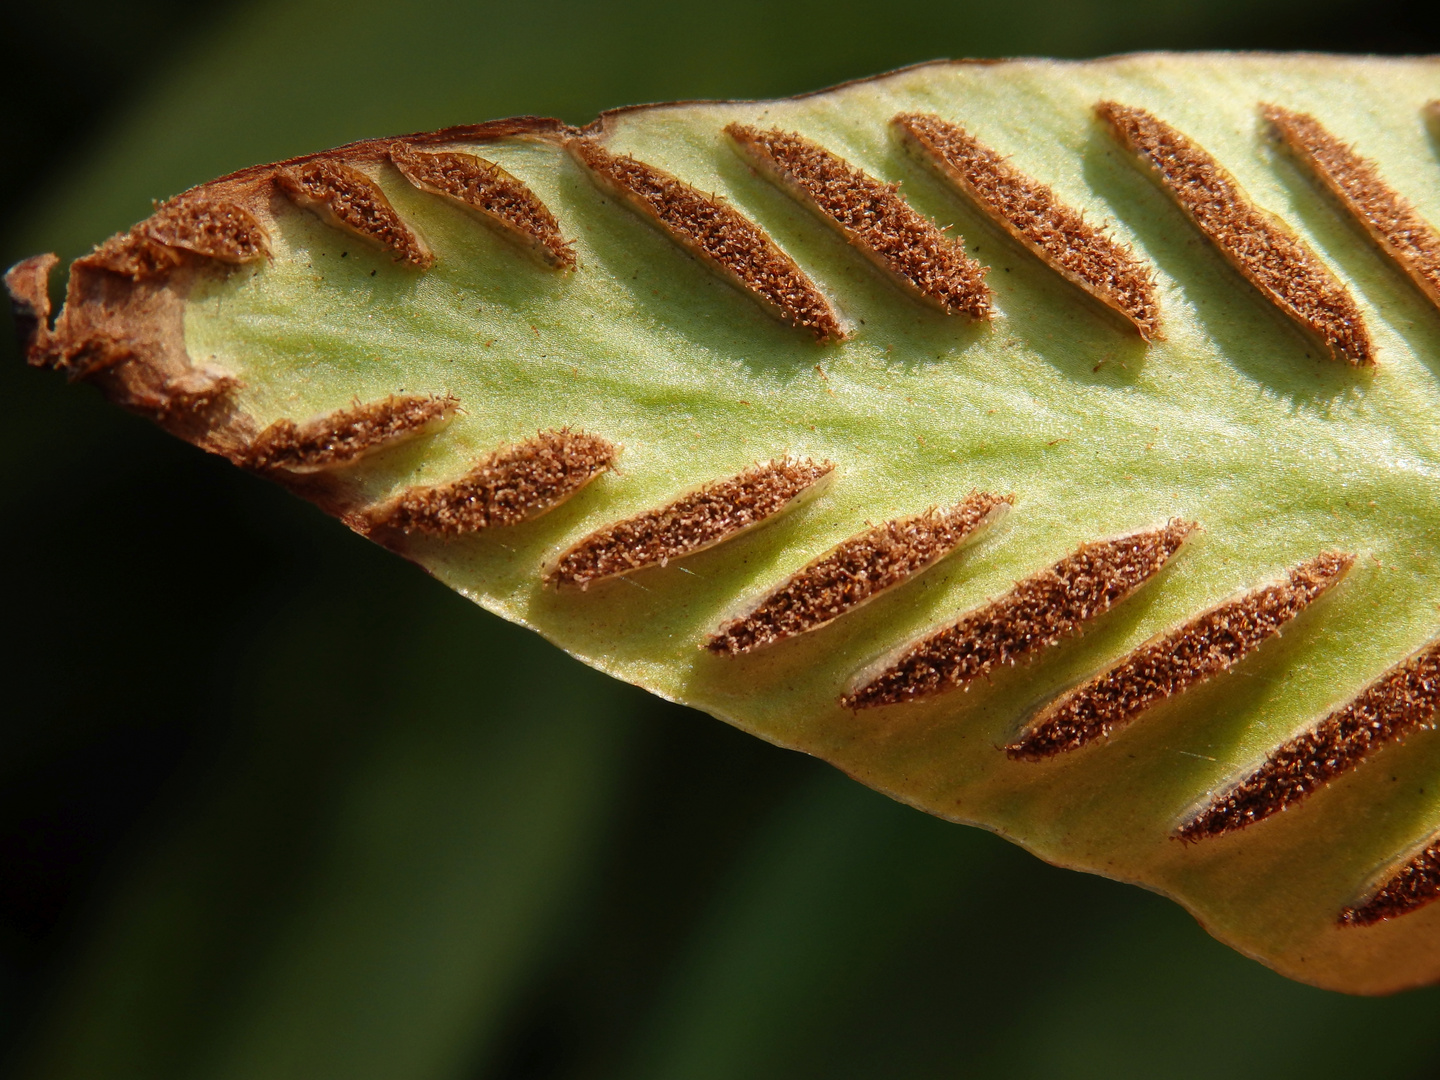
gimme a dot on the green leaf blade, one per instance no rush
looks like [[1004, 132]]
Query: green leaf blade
[[1234, 420]]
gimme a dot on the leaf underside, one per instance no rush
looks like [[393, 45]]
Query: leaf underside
[[1130, 589]]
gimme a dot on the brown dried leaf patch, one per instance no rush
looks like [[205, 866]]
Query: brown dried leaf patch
[[128, 337], [715, 513], [490, 191], [1258, 244], [346, 435], [513, 485], [1032, 213], [718, 234], [1399, 703], [1355, 182], [1037, 613], [872, 217], [348, 199], [1170, 664], [855, 572]]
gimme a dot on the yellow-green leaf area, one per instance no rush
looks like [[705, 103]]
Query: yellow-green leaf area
[[1235, 420]]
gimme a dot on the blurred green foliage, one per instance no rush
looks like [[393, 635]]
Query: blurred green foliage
[[273, 804]]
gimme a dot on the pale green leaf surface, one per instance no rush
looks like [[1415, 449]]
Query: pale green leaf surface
[[1235, 421]]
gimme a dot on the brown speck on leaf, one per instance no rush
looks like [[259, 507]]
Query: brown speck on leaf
[[1257, 243], [1036, 614], [1390, 220], [719, 235], [1410, 888], [856, 571], [497, 197], [513, 485], [873, 217], [1170, 664], [1030, 212], [715, 513], [347, 435], [1399, 703], [348, 199]]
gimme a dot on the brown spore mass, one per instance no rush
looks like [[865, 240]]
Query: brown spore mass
[[1031, 212], [856, 572], [211, 228], [348, 199], [872, 217], [513, 485], [1037, 613], [715, 513], [1410, 888], [216, 229], [346, 435], [1167, 665], [1399, 703], [1357, 185], [1257, 243], [719, 235], [490, 191]]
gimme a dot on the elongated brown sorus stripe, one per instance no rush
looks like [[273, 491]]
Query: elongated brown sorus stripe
[[1358, 186], [1169, 664], [718, 234], [715, 513], [1030, 212], [1257, 243], [514, 485], [347, 435], [498, 198], [1400, 702], [216, 228], [212, 228], [857, 571], [1414, 885], [348, 199], [873, 217], [1037, 613]]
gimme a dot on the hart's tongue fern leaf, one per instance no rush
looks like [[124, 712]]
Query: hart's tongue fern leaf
[[1052, 446]]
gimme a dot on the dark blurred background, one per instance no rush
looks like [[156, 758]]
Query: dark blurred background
[[274, 804]]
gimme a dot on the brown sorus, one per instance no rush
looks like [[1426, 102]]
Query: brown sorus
[[1257, 243], [512, 485], [1357, 185], [215, 228], [857, 571], [1400, 702], [719, 235], [1208, 645], [872, 217], [715, 513], [497, 197], [346, 198], [1031, 212], [1408, 889], [211, 228], [1040, 611], [347, 435]]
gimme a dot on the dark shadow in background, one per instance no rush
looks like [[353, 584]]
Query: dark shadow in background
[[115, 703]]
